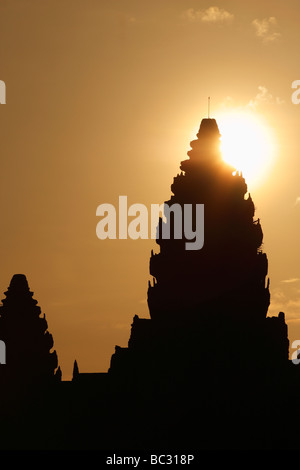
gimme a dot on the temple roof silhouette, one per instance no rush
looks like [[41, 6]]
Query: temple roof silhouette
[[208, 369]]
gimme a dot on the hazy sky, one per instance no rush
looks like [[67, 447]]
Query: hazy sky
[[103, 98]]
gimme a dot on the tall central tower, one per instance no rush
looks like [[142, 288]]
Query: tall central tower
[[229, 273], [208, 307]]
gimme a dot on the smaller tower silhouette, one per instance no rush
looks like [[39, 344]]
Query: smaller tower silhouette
[[29, 360]]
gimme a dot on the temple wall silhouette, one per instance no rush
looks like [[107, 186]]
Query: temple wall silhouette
[[208, 369]]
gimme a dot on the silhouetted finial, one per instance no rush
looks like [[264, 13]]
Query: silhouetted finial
[[58, 374], [75, 370], [19, 282]]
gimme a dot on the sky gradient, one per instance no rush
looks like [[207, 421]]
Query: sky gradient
[[103, 99]]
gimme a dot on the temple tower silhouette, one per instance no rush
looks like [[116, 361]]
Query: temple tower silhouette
[[208, 369], [229, 272], [208, 350], [217, 295], [29, 361]]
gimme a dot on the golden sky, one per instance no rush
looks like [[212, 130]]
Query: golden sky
[[103, 98]]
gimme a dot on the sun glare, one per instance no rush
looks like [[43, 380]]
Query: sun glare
[[247, 144]]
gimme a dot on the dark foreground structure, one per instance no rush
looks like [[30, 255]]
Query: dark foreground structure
[[208, 370]]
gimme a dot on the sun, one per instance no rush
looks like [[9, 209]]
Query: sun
[[247, 144]]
